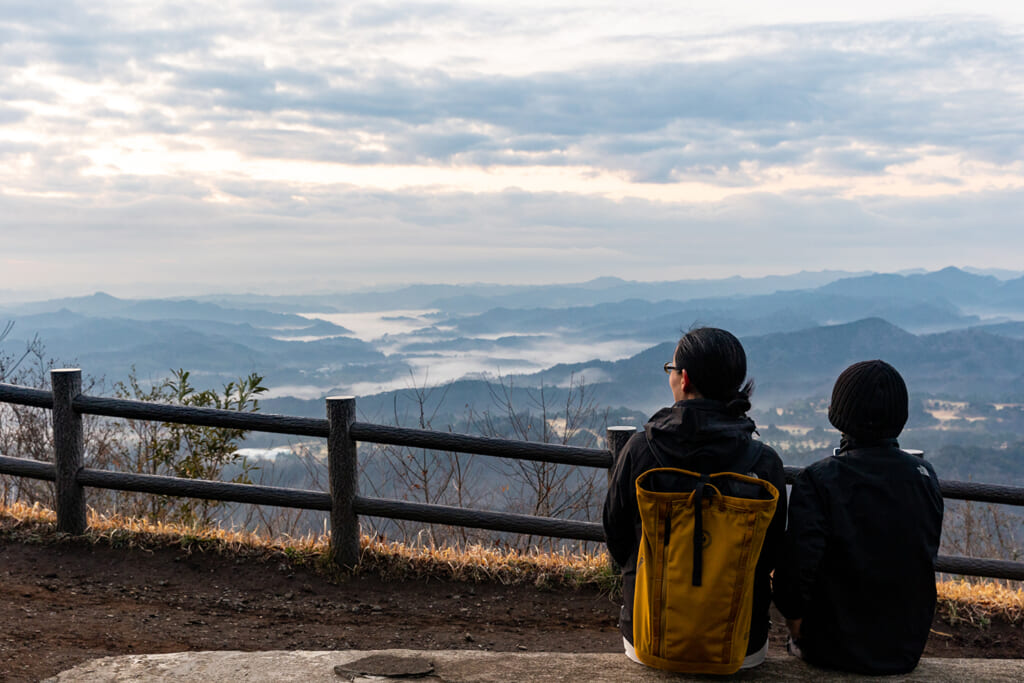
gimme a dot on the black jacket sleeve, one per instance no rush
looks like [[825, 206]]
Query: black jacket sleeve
[[621, 517], [803, 549], [769, 468], [774, 540]]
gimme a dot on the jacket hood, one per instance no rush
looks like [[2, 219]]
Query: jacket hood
[[702, 428]]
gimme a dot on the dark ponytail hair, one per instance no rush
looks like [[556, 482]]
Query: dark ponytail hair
[[715, 362]]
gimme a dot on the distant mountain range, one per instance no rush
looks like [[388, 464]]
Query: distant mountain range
[[951, 332], [107, 337], [971, 364], [478, 298]]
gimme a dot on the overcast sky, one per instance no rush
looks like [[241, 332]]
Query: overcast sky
[[296, 146]]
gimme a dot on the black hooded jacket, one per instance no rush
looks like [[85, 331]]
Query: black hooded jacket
[[859, 560], [698, 435]]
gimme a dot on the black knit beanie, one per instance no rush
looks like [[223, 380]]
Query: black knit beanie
[[869, 401]]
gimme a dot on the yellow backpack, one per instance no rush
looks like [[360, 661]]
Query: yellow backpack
[[702, 537]]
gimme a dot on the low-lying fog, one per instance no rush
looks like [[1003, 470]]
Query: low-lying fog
[[423, 342]]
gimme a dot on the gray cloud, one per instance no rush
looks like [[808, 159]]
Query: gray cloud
[[771, 109], [844, 100], [899, 85]]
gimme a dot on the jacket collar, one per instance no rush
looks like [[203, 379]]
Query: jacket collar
[[849, 443]]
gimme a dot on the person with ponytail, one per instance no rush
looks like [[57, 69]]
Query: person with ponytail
[[706, 430]]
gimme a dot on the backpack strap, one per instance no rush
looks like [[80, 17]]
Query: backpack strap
[[704, 490]]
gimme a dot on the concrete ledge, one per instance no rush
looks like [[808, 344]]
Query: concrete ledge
[[499, 667]]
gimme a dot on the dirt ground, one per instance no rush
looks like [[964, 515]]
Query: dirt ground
[[64, 603]]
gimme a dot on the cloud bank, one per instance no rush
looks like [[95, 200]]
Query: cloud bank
[[296, 146]]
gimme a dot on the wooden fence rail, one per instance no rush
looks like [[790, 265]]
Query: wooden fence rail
[[343, 501]]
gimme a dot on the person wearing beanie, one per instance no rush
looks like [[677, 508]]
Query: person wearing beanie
[[856, 582]]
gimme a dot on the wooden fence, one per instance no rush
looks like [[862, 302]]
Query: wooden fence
[[343, 502]]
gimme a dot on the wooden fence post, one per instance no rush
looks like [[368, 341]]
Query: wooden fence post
[[69, 450], [343, 469], [617, 438]]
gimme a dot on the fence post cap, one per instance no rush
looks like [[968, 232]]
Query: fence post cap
[[63, 370], [340, 398], [622, 428]]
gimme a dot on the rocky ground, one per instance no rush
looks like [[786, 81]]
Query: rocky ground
[[67, 602]]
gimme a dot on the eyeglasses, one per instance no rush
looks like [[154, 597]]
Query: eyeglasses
[[670, 368]]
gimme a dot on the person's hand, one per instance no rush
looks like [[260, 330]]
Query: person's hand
[[794, 627]]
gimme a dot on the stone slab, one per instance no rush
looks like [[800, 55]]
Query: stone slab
[[479, 666]]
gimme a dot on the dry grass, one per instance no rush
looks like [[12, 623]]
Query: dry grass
[[980, 602], [391, 560], [483, 564], [38, 524]]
